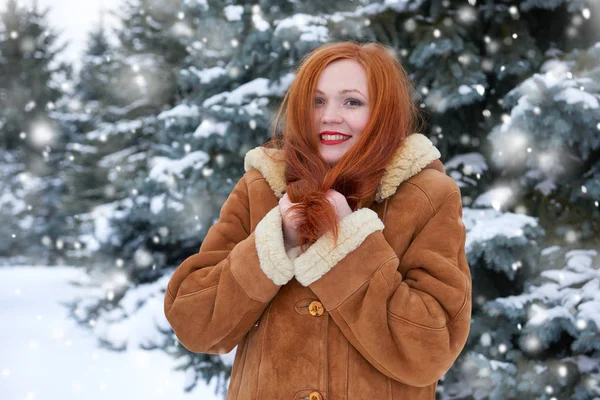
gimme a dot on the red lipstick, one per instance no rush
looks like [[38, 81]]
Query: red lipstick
[[332, 142]]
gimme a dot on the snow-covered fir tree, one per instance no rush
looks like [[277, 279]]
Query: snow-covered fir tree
[[135, 223], [543, 343], [33, 82], [91, 103], [97, 84]]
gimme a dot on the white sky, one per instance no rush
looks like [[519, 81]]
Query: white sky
[[74, 19]]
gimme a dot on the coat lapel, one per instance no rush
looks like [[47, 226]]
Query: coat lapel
[[417, 153]]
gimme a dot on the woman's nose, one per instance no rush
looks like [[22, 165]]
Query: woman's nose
[[330, 114]]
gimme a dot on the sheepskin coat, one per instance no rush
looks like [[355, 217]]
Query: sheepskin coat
[[382, 315]]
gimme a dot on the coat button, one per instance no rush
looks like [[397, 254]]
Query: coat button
[[316, 309], [315, 396]]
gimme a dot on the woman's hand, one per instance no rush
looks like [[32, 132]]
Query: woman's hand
[[339, 203], [290, 225]]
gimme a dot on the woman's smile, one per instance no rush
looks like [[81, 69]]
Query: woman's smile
[[331, 138]]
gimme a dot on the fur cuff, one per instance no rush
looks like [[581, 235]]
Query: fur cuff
[[274, 261], [319, 258]]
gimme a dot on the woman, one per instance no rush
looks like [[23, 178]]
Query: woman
[[360, 287]]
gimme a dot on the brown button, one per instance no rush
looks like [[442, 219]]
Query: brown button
[[316, 309], [315, 396]]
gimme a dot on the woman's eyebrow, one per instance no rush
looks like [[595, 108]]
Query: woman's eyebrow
[[345, 91]]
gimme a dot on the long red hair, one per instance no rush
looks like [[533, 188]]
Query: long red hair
[[393, 116]]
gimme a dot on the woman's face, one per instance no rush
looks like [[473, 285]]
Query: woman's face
[[341, 107]]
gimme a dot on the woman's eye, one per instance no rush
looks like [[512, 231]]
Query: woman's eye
[[350, 102]]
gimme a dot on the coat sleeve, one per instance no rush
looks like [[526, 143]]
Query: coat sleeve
[[215, 296], [409, 316]]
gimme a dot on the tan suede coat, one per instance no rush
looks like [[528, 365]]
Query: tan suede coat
[[381, 316]]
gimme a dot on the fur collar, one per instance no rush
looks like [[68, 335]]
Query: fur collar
[[416, 154]]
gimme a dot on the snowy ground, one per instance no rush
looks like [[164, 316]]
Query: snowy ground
[[46, 356]]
